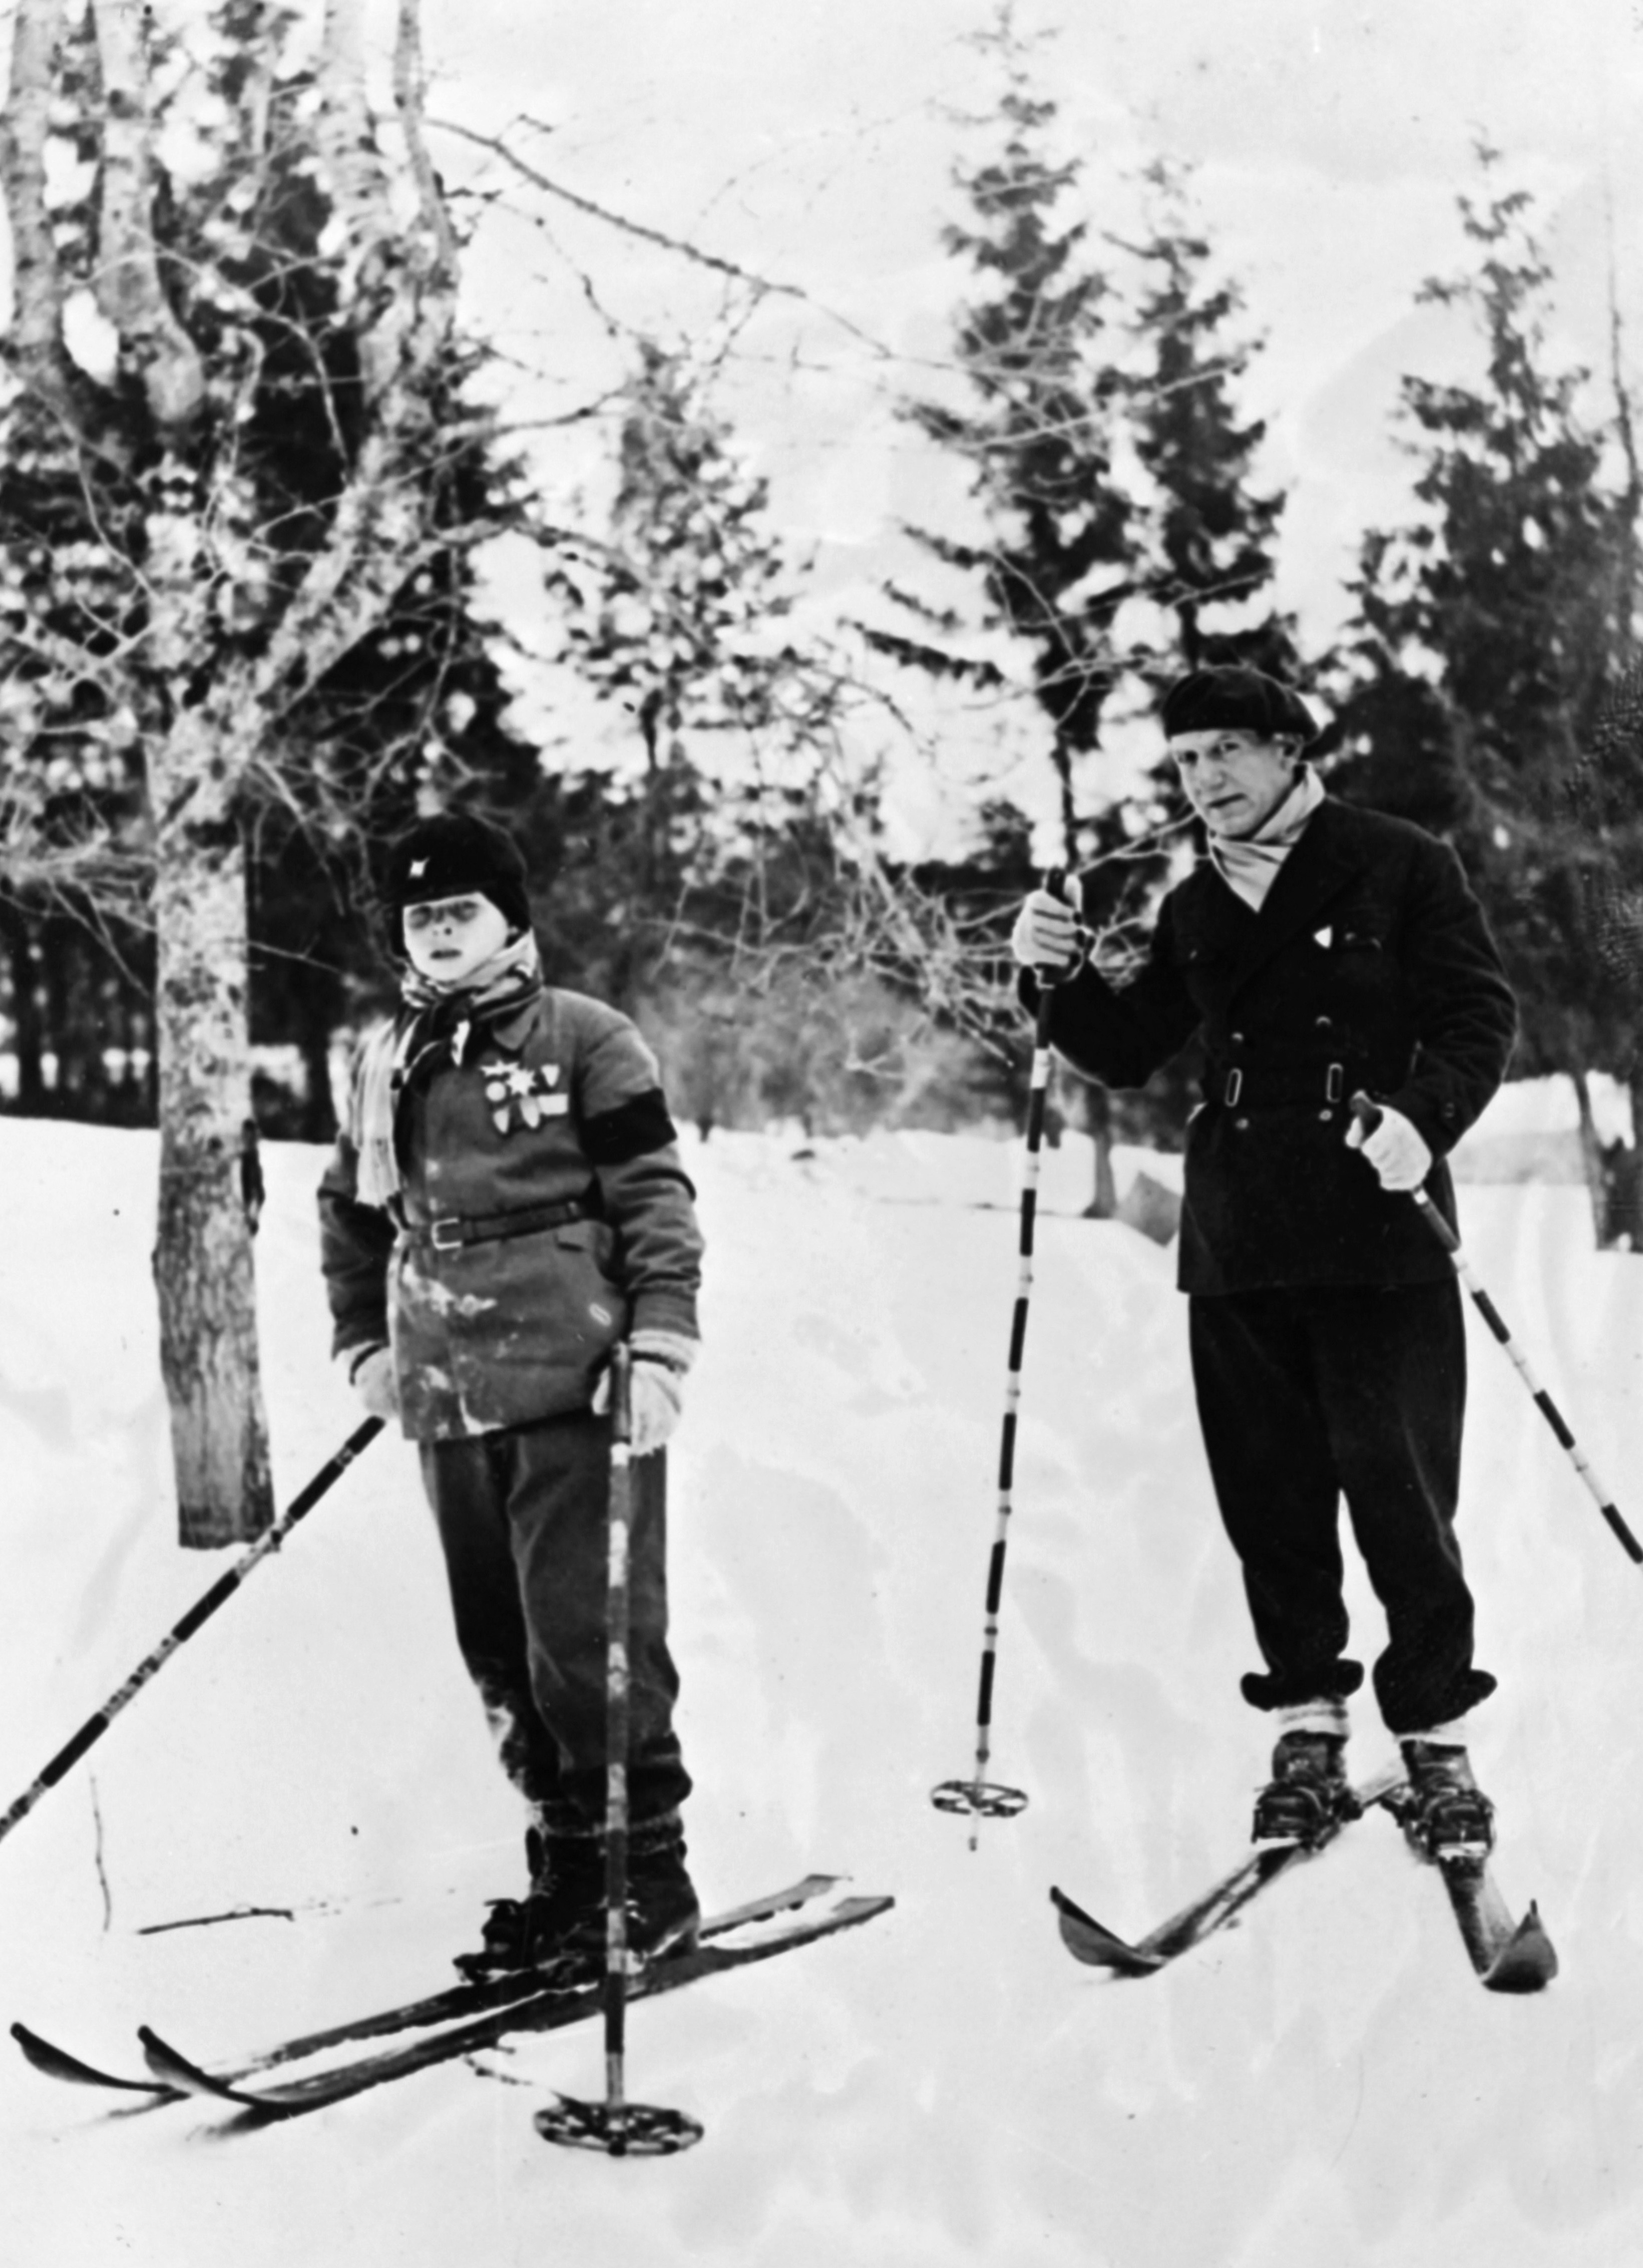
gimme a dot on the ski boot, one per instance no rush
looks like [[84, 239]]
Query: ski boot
[[1443, 1813], [532, 1934], [662, 1915], [1308, 1791]]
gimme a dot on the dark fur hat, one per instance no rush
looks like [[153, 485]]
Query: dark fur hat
[[450, 855], [1231, 696]]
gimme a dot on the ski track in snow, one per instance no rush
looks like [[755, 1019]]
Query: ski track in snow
[[1326, 2086]]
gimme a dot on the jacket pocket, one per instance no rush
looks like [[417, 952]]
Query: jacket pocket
[[586, 1302]]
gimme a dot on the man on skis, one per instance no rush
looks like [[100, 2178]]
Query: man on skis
[[1321, 951], [506, 1201]]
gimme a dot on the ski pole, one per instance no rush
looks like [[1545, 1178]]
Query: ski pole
[[977, 1796], [202, 1610], [1368, 1117], [615, 2126]]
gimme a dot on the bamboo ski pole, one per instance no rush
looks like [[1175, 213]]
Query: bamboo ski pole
[[617, 2126], [979, 1797], [1368, 1116], [98, 1723]]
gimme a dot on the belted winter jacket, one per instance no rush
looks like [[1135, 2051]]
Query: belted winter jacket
[[543, 1211], [1369, 966]]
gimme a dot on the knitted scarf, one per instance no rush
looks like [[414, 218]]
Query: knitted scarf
[[439, 1017], [1248, 864]]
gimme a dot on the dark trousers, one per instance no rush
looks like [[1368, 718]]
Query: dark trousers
[[523, 1517], [1307, 1396]]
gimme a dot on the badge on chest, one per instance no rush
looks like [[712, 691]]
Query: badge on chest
[[523, 1095]]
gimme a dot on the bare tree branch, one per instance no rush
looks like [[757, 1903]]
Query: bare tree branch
[[765, 285]]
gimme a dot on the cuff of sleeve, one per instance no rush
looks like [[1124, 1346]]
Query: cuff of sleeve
[[668, 1308], [672, 1349], [355, 1356]]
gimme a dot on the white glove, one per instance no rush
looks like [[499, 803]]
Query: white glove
[[373, 1380], [1395, 1151], [1046, 934], [655, 1388]]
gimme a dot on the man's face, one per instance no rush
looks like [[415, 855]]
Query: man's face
[[1234, 779], [448, 939]]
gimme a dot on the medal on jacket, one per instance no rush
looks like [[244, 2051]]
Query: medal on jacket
[[523, 1095]]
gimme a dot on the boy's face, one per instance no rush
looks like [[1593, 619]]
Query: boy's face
[[448, 939]]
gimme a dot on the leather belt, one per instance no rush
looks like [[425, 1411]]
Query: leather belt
[[453, 1230]]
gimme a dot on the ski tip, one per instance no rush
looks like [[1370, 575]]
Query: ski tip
[[58, 2063], [1096, 1946], [42, 2055], [168, 2063], [1527, 1962]]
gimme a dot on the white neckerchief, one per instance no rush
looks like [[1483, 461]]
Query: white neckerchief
[[439, 1014], [1249, 864]]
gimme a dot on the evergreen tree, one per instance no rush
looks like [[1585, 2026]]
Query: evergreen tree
[[678, 616], [1114, 477], [1486, 631], [1036, 351], [1212, 533]]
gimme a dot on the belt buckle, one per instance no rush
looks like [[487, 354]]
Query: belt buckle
[[1334, 1083], [1234, 1086], [439, 1240]]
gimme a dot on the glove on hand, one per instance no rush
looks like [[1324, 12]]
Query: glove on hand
[[655, 1387], [1395, 1151], [1046, 934], [373, 1380]]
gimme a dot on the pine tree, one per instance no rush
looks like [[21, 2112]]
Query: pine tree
[[1212, 532], [1114, 478], [1487, 629], [1034, 431], [677, 615]]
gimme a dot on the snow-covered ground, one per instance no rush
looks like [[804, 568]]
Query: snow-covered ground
[[1325, 2086]]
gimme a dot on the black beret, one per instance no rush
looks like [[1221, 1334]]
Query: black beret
[[449, 856], [1246, 700]]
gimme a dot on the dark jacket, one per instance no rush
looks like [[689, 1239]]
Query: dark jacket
[[559, 1109], [1370, 965]]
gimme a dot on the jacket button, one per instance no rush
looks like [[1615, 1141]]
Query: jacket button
[[1326, 1116], [1243, 1124], [1326, 1023], [1237, 1039]]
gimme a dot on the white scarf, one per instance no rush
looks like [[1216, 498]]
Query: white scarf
[[440, 1013], [1249, 864]]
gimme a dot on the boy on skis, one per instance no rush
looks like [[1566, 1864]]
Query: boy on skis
[[1321, 951], [504, 1202]]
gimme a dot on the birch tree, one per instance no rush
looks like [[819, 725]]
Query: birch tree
[[258, 246]]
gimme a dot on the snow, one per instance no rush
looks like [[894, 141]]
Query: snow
[[1326, 2085]]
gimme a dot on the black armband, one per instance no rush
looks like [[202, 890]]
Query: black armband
[[633, 1129]]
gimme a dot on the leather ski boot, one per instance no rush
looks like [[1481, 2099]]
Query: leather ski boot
[[1308, 1791], [663, 1913], [533, 1932], [1444, 1813]]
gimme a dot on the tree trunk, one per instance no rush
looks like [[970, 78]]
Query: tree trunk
[[202, 1260], [1098, 1124], [27, 1032], [1625, 1215], [317, 1012], [1592, 1160]]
